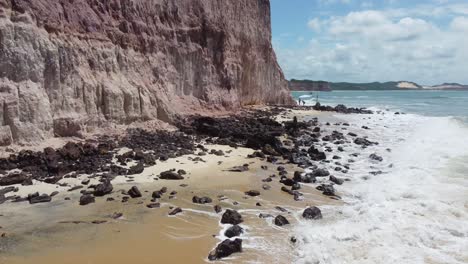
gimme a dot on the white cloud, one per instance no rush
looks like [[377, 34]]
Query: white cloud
[[377, 45], [376, 25], [315, 24], [460, 24]]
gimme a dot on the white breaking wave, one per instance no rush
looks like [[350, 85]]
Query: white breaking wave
[[416, 211]]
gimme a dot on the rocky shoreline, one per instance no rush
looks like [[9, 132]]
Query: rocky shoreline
[[298, 151]]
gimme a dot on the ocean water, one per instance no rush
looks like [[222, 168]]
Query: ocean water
[[416, 210]]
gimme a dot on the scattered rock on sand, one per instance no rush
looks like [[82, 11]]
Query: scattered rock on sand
[[252, 193], [16, 178], [137, 169], [242, 168], [36, 198], [281, 220], [103, 188], [217, 208], [85, 181], [98, 222], [86, 199], [312, 213], [116, 215], [176, 211], [153, 205], [234, 231], [134, 192], [231, 217], [201, 200], [157, 194], [170, 175], [225, 249]]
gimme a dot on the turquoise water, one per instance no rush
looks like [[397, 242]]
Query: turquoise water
[[427, 103]]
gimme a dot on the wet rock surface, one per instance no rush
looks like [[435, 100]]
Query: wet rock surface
[[201, 200], [225, 249], [312, 213], [281, 220], [234, 231], [231, 217]]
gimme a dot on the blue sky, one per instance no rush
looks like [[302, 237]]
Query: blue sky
[[372, 40]]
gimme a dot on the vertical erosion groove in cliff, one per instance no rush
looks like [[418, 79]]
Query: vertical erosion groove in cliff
[[67, 66]]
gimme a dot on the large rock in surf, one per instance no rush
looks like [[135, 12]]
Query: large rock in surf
[[233, 231], [281, 220], [312, 213], [225, 249], [231, 217], [201, 200]]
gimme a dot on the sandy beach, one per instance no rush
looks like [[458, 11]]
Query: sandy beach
[[63, 231]]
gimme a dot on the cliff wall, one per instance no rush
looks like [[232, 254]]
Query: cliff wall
[[67, 66]]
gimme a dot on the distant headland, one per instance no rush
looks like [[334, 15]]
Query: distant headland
[[310, 85]]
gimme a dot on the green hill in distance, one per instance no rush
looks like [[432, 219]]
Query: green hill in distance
[[309, 85]]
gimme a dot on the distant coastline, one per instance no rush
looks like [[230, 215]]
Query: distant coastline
[[311, 85]]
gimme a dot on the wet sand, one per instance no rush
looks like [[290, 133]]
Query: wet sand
[[143, 235]]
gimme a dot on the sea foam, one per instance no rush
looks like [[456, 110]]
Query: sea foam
[[415, 211]]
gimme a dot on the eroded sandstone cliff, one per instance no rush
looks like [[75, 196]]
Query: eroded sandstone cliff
[[70, 65]]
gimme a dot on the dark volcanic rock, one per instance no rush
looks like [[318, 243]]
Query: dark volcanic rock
[[134, 192], [336, 180], [242, 168], [327, 189], [43, 198], [201, 200], [312, 213], [176, 211], [341, 109], [252, 193], [281, 220], [375, 157], [287, 181], [316, 154], [86, 199], [233, 231], [16, 178], [305, 178], [217, 209], [8, 189], [170, 175], [153, 205], [231, 217], [320, 173], [137, 169], [157, 194], [364, 142], [225, 249], [103, 188]]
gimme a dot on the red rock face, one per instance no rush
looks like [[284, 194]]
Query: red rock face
[[68, 65]]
